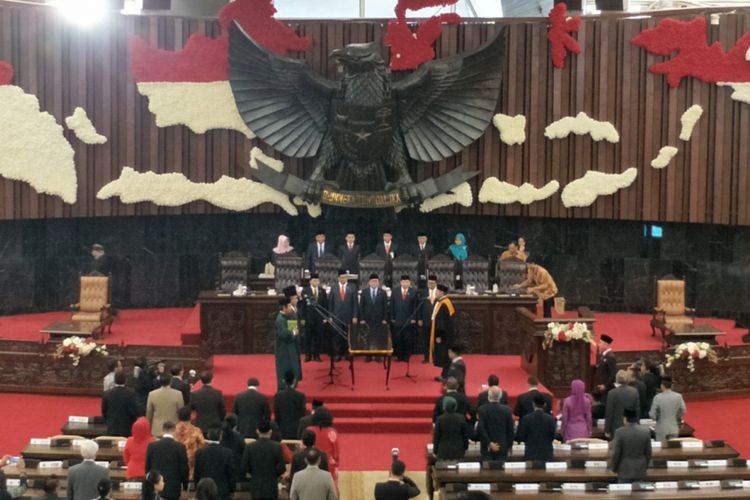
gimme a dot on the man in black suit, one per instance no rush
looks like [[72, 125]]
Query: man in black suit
[[208, 404], [100, 263], [457, 368], [537, 431], [606, 366], [423, 251], [463, 405], [373, 305], [289, 407], [264, 462], [398, 486], [525, 402], [298, 459], [307, 420], [495, 427], [251, 408], [631, 450], [623, 397], [316, 249], [427, 297], [312, 318], [217, 462], [170, 458], [404, 303], [386, 250], [179, 384], [119, 407], [492, 381], [342, 304], [442, 330], [350, 254]]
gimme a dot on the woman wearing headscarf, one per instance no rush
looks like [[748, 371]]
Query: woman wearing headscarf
[[450, 438], [326, 438], [134, 454], [282, 247], [576, 413], [458, 250]]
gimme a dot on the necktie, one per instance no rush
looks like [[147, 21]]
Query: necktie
[[403, 294], [372, 294], [387, 248], [320, 250], [342, 292], [432, 296], [350, 246], [315, 293]]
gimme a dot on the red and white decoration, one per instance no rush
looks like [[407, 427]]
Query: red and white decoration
[[689, 352], [559, 35], [566, 332]]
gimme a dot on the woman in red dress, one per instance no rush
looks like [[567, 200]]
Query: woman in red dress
[[134, 453], [326, 438]]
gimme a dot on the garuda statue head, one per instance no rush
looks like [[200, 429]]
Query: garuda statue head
[[358, 58]]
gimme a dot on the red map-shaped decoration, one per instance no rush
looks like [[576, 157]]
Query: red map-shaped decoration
[[6, 73], [561, 42], [694, 57], [256, 18], [411, 49]]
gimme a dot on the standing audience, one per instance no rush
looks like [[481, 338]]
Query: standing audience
[[153, 486], [134, 454], [251, 408], [170, 458], [119, 407], [457, 368], [83, 479], [113, 366], [667, 410], [398, 486], [492, 381], [495, 427], [537, 431], [525, 402], [289, 407], [189, 435], [264, 462], [619, 399], [631, 449], [208, 404], [327, 439], [216, 462], [463, 405], [298, 462], [576, 413], [307, 420], [450, 437], [206, 489], [234, 442], [179, 384], [163, 405], [312, 483]]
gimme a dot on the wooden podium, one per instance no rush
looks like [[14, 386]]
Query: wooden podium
[[557, 366]]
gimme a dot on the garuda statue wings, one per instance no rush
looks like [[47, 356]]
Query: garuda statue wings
[[363, 128]]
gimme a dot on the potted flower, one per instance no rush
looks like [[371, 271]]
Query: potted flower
[[76, 348], [566, 332], [689, 352]]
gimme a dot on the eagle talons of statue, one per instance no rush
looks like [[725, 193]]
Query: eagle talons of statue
[[365, 130]]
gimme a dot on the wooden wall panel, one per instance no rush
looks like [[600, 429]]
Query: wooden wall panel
[[706, 183]]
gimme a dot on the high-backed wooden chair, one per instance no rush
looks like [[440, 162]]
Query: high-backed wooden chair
[[288, 270], [476, 272], [328, 268], [509, 272], [235, 267], [670, 310], [94, 304]]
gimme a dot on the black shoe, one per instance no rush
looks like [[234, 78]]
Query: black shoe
[[439, 379], [425, 361], [308, 359], [368, 359], [317, 359]]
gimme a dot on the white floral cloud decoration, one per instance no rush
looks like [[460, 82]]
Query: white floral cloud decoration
[[82, 127], [582, 124], [688, 120], [461, 194], [512, 128], [584, 191], [664, 157], [741, 90], [496, 191]]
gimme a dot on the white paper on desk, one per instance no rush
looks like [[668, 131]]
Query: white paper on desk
[[574, 486], [600, 423], [41, 441], [596, 464], [518, 449], [620, 487], [526, 486], [647, 422], [131, 485], [716, 463], [473, 447], [121, 444], [709, 484], [51, 465], [78, 420], [429, 448], [479, 487], [655, 444], [691, 444], [598, 446], [469, 466], [666, 485], [77, 442], [677, 464], [103, 464], [746, 484], [561, 447], [556, 466], [14, 483], [514, 465]]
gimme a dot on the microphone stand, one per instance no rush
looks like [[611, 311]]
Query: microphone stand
[[408, 375], [338, 328]]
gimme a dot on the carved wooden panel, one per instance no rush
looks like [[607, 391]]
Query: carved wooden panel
[[222, 331]]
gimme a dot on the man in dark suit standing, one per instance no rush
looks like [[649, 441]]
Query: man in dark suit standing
[[403, 318], [217, 462], [398, 486], [312, 318], [342, 304], [492, 381], [179, 384], [525, 402], [316, 249], [289, 407], [495, 427], [251, 408], [463, 405], [537, 431], [264, 461], [307, 420], [441, 335], [631, 450], [350, 254], [606, 366], [386, 250], [298, 459], [622, 397], [457, 368], [208, 403], [119, 407], [373, 306], [423, 251], [170, 458], [428, 297]]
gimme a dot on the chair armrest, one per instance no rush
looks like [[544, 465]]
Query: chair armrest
[[689, 310], [106, 306], [77, 305]]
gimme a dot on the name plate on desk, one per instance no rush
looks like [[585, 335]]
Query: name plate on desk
[[600, 423], [518, 449], [77, 442], [561, 447], [710, 484], [430, 448], [692, 444], [57, 464], [655, 444], [556, 466], [13, 483], [78, 420], [746, 484], [121, 444], [469, 466], [677, 464], [479, 487], [620, 487], [598, 446], [40, 441], [515, 466], [647, 422], [131, 485], [596, 464], [574, 486], [103, 464], [526, 486], [716, 463], [666, 485]]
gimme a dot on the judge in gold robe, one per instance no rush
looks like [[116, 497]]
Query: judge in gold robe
[[441, 331], [539, 282]]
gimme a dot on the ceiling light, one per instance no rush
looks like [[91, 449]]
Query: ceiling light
[[83, 13]]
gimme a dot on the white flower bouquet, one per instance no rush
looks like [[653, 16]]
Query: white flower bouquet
[[565, 332], [76, 348], [690, 351]]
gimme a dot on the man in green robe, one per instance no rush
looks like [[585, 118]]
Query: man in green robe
[[287, 343]]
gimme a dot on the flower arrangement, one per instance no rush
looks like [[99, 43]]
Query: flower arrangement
[[76, 348], [565, 332], [690, 351]]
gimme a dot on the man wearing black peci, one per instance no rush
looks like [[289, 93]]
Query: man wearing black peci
[[289, 407], [403, 318], [350, 254], [386, 250], [428, 297], [441, 334], [373, 306], [423, 251], [316, 249], [119, 407], [343, 306], [606, 366], [313, 318]]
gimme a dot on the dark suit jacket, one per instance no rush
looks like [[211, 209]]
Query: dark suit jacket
[[426, 254], [619, 399], [298, 463], [216, 462], [312, 254], [394, 490], [234, 442], [209, 407], [427, 307], [457, 370], [631, 452], [304, 423], [450, 438], [264, 462], [525, 403], [119, 409], [484, 399], [606, 369], [170, 458], [495, 426], [183, 387], [288, 409], [345, 309], [380, 250], [373, 313], [308, 312], [537, 430], [350, 258], [642, 398], [251, 408], [463, 407], [402, 310]]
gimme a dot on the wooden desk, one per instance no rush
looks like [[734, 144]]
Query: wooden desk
[[662, 494], [488, 324], [46, 452], [62, 474], [686, 430], [693, 333], [89, 430], [64, 329]]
